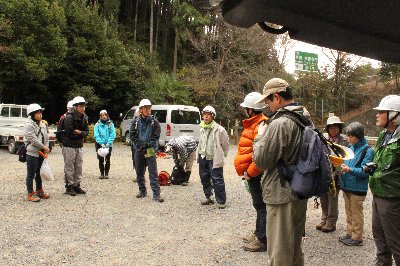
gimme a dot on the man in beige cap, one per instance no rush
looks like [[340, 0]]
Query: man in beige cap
[[286, 214]]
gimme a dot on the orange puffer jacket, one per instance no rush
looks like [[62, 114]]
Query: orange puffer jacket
[[244, 158]]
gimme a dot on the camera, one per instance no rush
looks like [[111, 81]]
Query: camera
[[369, 168]]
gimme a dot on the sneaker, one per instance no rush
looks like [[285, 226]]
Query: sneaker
[[106, 177], [134, 179], [33, 197], [249, 238], [78, 190], [328, 227], [207, 201], [254, 246], [41, 194], [101, 177], [352, 242], [221, 205], [320, 225], [185, 184], [70, 191], [158, 199], [343, 238], [141, 195]]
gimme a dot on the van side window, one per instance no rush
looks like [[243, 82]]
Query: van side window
[[185, 117], [130, 114], [160, 115], [15, 112], [4, 111], [24, 112]]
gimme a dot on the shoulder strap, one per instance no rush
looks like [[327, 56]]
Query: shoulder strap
[[363, 153]]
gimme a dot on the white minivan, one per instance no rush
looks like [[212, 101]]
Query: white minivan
[[175, 121]]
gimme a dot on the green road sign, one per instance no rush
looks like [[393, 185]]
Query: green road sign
[[305, 61]]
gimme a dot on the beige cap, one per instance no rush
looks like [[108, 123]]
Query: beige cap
[[272, 86]]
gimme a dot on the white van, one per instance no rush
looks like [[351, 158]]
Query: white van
[[175, 121]]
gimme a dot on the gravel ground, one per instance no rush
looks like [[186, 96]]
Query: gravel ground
[[109, 226]]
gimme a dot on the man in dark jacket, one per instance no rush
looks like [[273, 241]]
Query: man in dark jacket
[[76, 129], [144, 134]]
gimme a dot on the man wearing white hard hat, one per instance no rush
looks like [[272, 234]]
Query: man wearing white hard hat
[[213, 147], [384, 182], [286, 214], [35, 133], [144, 134], [76, 128], [246, 168], [104, 134]]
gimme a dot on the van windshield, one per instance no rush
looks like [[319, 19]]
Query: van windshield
[[185, 117]]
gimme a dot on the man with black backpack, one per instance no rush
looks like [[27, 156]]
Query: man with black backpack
[[286, 213]]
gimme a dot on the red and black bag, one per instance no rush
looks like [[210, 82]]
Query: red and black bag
[[164, 179]]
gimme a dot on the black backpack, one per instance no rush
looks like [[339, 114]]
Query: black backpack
[[60, 133], [178, 175], [313, 174], [22, 149]]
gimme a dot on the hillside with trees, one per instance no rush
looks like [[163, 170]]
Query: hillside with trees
[[115, 52]]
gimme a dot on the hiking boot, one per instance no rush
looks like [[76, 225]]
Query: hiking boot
[[343, 238], [249, 238], [352, 242], [320, 225], [221, 206], [70, 191], [141, 195], [207, 201], [101, 177], [158, 199], [185, 184], [78, 190], [106, 177], [33, 197], [254, 246], [328, 227], [41, 194]]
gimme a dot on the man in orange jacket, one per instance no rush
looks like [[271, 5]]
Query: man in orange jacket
[[245, 167]]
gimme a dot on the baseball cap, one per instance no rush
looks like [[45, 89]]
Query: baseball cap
[[272, 86]]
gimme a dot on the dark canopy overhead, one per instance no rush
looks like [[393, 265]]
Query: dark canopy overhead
[[364, 27]]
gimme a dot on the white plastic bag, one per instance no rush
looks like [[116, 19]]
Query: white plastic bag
[[102, 152], [45, 171]]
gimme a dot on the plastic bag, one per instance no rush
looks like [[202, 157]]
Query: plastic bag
[[103, 152], [45, 171]]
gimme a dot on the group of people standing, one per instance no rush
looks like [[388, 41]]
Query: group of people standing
[[269, 141], [264, 143]]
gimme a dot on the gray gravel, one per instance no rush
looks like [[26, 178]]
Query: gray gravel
[[109, 226]]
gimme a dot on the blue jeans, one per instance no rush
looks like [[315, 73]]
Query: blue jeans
[[141, 163], [209, 174], [261, 208], [33, 165]]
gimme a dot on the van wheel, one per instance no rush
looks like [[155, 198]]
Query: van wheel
[[127, 140], [12, 147]]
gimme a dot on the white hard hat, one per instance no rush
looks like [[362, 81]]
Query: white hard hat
[[332, 120], [102, 152], [144, 102], [70, 104], [389, 103], [103, 112], [33, 108], [78, 99], [209, 109], [250, 101]]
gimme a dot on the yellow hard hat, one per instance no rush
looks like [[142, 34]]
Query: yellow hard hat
[[345, 153]]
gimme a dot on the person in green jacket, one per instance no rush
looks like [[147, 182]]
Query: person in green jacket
[[384, 182]]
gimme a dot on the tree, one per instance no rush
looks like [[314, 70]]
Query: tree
[[390, 72]]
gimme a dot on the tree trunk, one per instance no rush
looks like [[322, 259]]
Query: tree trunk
[[175, 53], [151, 25], [136, 20], [159, 5]]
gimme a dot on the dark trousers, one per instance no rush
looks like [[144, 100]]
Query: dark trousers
[[386, 229], [104, 168], [141, 163], [209, 174], [260, 207], [33, 165]]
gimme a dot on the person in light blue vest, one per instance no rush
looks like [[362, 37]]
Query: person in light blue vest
[[104, 134]]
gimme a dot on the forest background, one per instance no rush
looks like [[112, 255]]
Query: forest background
[[115, 52]]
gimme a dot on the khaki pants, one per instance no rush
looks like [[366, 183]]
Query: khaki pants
[[285, 229], [73, 162], [329, 206], [354, 215], [189, 162]]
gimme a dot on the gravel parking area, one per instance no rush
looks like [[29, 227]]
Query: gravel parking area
[[109, 226]]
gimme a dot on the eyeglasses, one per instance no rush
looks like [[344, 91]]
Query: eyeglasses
[[82, 105]]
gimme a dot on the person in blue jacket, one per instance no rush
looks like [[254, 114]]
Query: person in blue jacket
[[104, 134], [354, 184]]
